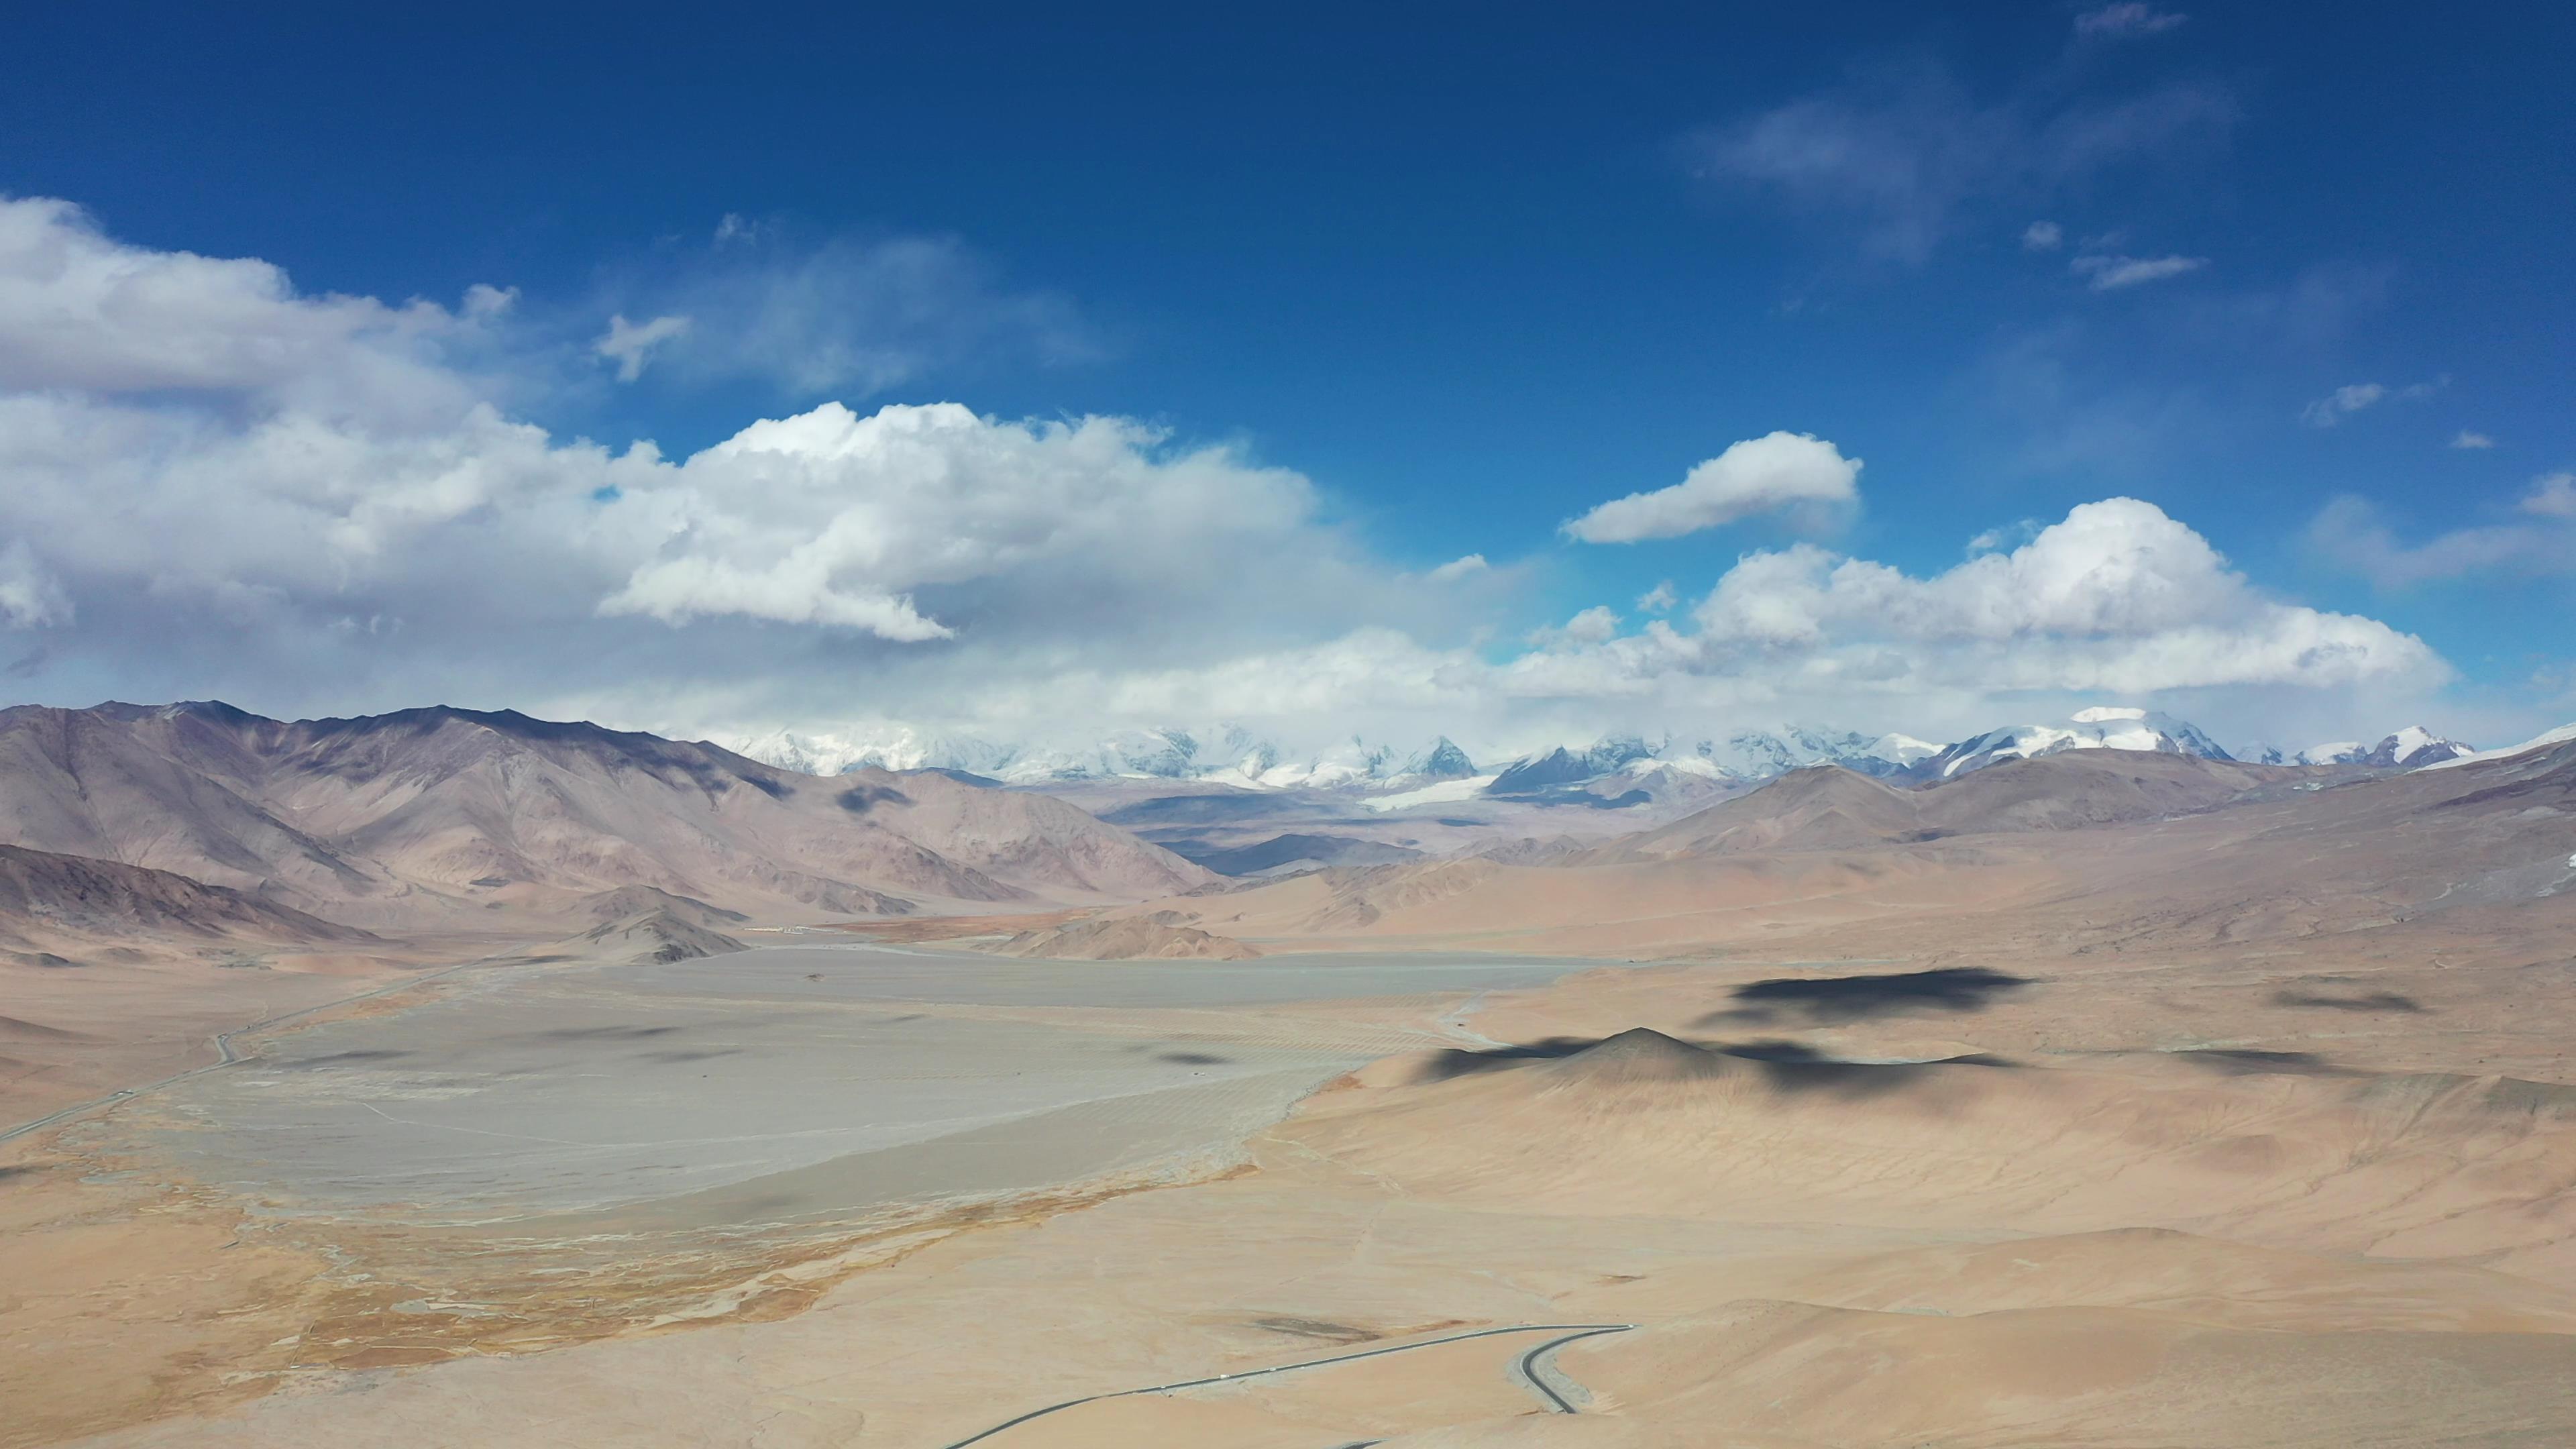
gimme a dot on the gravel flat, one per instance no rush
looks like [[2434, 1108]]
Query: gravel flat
[[798, 1082]]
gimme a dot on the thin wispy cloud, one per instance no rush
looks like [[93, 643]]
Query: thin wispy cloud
[[630, 345], [2043, 236], [840, 316], [2126, 20], [2332, 409], [2467, 439], [1906, 153], [2113, 273], [2352, 533]]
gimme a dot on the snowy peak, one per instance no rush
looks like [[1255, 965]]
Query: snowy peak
[[2104, 727], [1620, 763], [2541, 741], [2412, 748], [1224, 754], [1443, 761], [1755, 755], [1615, 767]]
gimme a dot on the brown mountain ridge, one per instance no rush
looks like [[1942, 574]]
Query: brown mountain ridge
[[432, 816]]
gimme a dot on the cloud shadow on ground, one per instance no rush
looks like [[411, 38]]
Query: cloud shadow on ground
[[2246, 1062], [1786, 1066], [1858, 998], [2367, 1001]]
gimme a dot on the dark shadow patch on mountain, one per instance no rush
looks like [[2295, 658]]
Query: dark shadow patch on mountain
[[1794, 1067], [860, 799], [677, 1058], [2245, 1062], [1467, 1061], [1192, 1059], [1785, 1066], [1570, 795], [2368, 1001], [1857, 998], [1173, 810], [1316, 1329], [343, 1059], [1288, 850], [601, 1033]]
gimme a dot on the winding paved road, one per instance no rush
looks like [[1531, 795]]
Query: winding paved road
[[1534, 1369], [1527, 1370]]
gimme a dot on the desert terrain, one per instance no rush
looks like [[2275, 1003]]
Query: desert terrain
[[461, 1079]]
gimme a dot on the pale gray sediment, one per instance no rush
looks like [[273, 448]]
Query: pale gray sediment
[[790, 1083]]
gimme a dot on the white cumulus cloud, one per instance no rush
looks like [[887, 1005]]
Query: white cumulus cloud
[[216, 486], [1796, 473], [2117, 595]]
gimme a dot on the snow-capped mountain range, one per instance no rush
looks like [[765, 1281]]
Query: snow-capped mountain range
[[1613, 770], [2104, 727], [2411, 748], [1227, 755]]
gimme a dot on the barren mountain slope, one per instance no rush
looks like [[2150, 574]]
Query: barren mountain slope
[[118, 784], [2170, 849], [48, 896], [1828, 808], [430, 815]]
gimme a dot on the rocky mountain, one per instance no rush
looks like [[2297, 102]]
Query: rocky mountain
[[2111, 727], [2411, 748], [659, 926], [44, 896], [1443, 761], [1226, 754], [2546, 740], [1628, 769], [1833, 809], [1617, 771], [440, 814]]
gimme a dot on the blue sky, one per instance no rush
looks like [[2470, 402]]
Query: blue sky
[[1468, 275]]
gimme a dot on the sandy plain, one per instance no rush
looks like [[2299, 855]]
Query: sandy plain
[[2253, 1127]]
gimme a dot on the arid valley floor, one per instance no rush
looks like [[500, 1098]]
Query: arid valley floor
[[477, 1082]]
